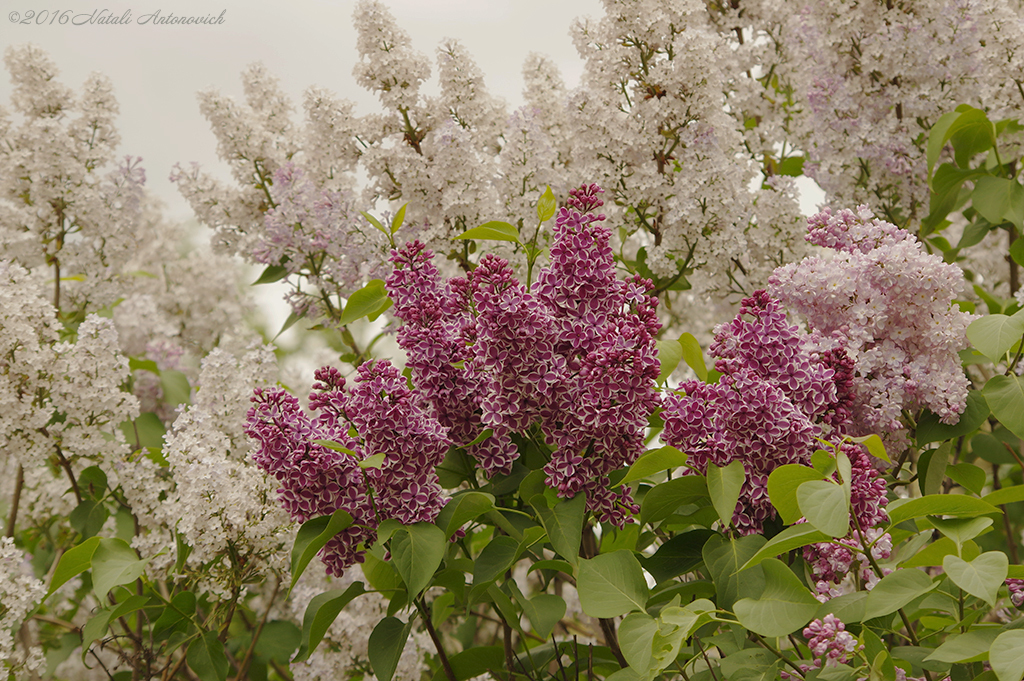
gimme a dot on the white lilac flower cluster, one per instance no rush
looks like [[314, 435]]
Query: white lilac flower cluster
[[20, 593]]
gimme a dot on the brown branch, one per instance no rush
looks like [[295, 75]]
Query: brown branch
[[19, 482]]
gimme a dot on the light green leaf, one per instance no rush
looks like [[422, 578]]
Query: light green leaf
[[726, 560], [724, 485], [793, 537], [970, 647], [417, 551], [611, 584], [785, 606], [1007, 655], [999, 199], [399, 219], [205, 657], [544, 612], [782, 486], [826, 506], [981, 577], [114, 563], [895, 590], [320, 615], [176, 388], [937, 137], [376, 223], [669, 354], [366, 301], [271, 274], [546, 205], [1006, 495], [312, 537], [693, 356], [994, 334], [968, 476], [654, 461], [375, 461], [461, 509], [874, 445], [564, 525], [961, 530], [493, 231], [959, 505], [636, 632], [385, 646], [1005, 396]]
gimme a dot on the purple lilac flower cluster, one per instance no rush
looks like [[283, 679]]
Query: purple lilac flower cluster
[[829, 641], [1016, 589], [888, 304], [772, 400], [831, 562], [575, 354], [316, 480]]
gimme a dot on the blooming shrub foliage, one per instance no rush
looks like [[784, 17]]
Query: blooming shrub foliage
[[834, 498]]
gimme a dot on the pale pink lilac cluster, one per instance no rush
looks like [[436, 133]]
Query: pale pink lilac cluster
[[769, 405], [829, 641], [889, 305], [832, 562], [317, 480], [574, 354]]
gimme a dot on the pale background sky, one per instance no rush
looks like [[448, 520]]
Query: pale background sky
[[156, 70]]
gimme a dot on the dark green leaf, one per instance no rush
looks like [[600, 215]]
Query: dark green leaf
[[461, 509], [321, 613], [88, 518], [544, 611], [387, 641], [679, 555], [312, 537], [662, 500], [725, 559], [205, 657], [474, 662], [496, 557], [930, 429], [417, 551], [564, 525]]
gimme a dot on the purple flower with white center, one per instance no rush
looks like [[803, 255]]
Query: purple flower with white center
[[1016, 589]]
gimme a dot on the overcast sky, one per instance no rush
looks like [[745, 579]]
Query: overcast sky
[[156, 70]]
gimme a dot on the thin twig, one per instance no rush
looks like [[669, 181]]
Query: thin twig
[[19, 482]]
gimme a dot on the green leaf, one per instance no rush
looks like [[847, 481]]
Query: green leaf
[[636, 632], [793, 537], [279, 640], [654, 461], [968, 476], [365, 301], [785, 606], [399, 219], [312, 537], [183, 606], [930, 429], [931, 468], [959, 505], [497, 556], [972, 646], [377, 224], [724, 485], [461, 509], [374, 461], [669, 353], [474, 662], [693, 356], [493, 231], [792, 166], [993, 449], [546, 205], [611, 584], [1005, 396], [895, 590], [417, 551], [679, 555], [94, 629], [961, 530], [114, 563], [826, 506], [848, 607], [384, 649], [88, 518], [320, 615], [544, 612], [937, 137], [205, 657], [663, 499], [874, 445], [782, 486], [1006, 495], [994, 334], [981, 577], [999, 199], [564, 525], [176, 388], [725, 560], [271, 274], [92, 482], [1007, 655]]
